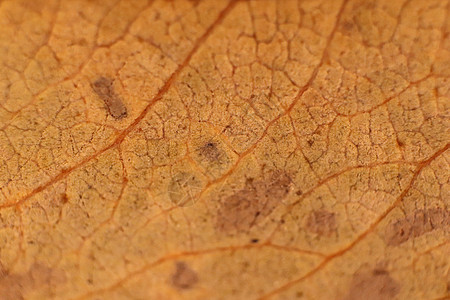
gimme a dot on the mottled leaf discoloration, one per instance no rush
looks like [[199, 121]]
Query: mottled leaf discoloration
[[224, 149], [321, 222], [416, 224], [376, 284], [16, 286], [247, 207]]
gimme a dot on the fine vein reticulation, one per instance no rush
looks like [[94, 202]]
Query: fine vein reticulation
[[224, 149]]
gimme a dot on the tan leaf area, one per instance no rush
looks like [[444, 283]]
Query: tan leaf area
[[224, 149]]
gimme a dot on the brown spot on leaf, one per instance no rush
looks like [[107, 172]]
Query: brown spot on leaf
[[14, 286], [253, 203], [211, 155], [347, 26], [210, 152], [372, 285], [183, 188], [321, 222], [184, 277], [258, 79], [103, 87], [416, 224], [64, 198]]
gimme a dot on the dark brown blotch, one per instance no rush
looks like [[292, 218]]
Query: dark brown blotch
[[64, 198], [372, 285], [183, 277], [104, 88], [211, 155], [250, 205], [321, 222], [416, 224], [210, 152]]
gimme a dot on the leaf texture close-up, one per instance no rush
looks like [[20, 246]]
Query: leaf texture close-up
[[224, 149]]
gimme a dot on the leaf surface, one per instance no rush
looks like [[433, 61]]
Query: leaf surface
[[224, 150]]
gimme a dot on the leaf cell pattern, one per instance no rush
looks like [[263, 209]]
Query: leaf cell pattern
[[224, 149]]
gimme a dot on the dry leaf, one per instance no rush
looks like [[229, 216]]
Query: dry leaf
[[224, 150]]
